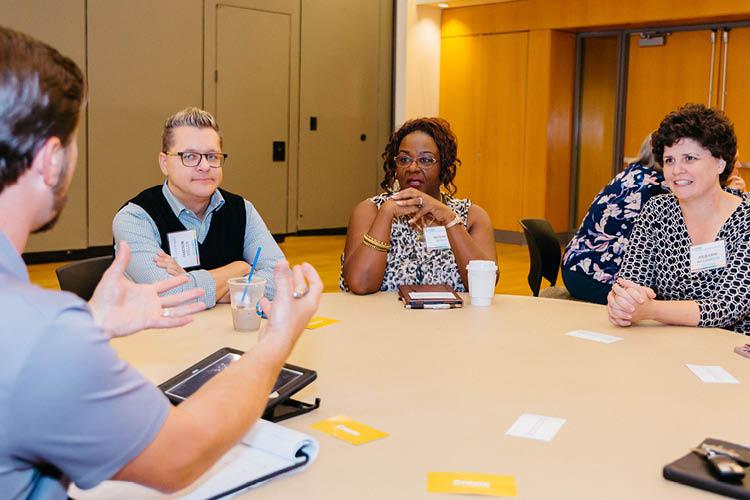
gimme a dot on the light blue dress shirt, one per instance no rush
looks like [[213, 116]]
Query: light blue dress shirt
[[133, 224], [70, 408]]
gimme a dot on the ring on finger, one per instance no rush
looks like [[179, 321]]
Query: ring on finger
[[421, 203], [300, 292], [166, 312]]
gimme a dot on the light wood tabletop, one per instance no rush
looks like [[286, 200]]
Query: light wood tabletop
[[447, 384]]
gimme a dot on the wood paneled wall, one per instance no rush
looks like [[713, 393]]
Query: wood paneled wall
[[544, 71], [523, 15], [509, 98]]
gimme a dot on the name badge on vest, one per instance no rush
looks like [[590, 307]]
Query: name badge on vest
[[708, 256], [436, 238], [183, 247]]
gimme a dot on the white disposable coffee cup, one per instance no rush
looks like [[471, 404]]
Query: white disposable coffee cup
[[244, 298], [481, 281]]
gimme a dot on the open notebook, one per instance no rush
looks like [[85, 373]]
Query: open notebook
[[267, 451]]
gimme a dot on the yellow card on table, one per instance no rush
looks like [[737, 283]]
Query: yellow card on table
[[318, 321], [349, 430], [471, 483]]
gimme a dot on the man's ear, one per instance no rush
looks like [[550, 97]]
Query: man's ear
[[163, 164], [49, 161]]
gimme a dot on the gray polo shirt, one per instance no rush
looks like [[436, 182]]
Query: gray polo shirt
[[70, 409]]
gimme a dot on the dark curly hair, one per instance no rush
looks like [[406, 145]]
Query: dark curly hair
[[709, 127], [41, 92], [441, 133]]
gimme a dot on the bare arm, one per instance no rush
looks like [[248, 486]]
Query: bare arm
[[221, 274], [476, 241], [364, 267], [233, 400]]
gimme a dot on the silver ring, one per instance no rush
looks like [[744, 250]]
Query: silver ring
[[300, 292], [421, 203], [166, 312]]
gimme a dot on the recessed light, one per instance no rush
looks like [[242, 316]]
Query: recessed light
[[443, 5]]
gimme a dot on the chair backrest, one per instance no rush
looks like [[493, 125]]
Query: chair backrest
[[82, 277], [544, 252]]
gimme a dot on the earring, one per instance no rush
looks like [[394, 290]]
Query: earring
[[395, 186]]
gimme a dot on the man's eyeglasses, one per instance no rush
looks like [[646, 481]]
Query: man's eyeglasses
[[424, 162], [192, 159]]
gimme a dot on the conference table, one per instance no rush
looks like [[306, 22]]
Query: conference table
[[446, 385]]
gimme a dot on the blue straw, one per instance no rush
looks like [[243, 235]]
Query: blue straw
[[250, 276]]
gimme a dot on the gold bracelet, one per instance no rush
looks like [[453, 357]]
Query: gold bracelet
[[382, 245], [376, 248]]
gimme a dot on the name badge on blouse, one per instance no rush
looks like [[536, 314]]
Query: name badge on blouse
[[183, 247], [708, 256], [436, 238]]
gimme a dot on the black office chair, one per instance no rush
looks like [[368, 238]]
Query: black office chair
[[544, 256], [82, 277]]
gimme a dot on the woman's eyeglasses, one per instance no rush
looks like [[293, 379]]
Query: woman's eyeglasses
[[424, 162]]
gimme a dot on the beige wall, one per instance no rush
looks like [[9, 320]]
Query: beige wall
[[417, 88]]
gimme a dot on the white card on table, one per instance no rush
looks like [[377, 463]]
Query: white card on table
[[436, 238], [532, 426], [595, 336], [183, 247], [712, 374], [708, 256]]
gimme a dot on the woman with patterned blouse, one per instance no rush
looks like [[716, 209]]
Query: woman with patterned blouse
[[593, 257], [386, 244], [688, 260]]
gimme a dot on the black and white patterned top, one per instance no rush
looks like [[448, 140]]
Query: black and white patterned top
[[658, 257], [409, 261]]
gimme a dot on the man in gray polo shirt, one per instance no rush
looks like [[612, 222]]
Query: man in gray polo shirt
[[70, 409]]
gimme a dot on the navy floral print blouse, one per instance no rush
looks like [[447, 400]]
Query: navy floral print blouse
[[599, 245]]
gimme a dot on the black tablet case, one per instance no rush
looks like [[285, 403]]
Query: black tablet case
[[693, 470], [277, 409]]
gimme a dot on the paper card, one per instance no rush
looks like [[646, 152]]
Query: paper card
[[320, 321], [431, 295], [346, 429], [183, 247], [532, 426], [595, 336], [471, 483], [708, 256], [436, 238], [712, 374]]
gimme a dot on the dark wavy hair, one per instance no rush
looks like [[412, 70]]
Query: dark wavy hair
[[441, 133], [709, 127], [41, 92]]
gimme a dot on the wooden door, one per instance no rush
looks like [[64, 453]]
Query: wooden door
[[662, 78], [596, 119], [737, 93], [252, 106], [346, 90]]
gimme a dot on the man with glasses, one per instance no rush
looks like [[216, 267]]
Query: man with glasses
[[190, 225]]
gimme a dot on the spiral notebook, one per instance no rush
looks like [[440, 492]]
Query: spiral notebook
[[268, 451]]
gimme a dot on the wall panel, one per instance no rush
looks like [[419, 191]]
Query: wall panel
[[136, 82]]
